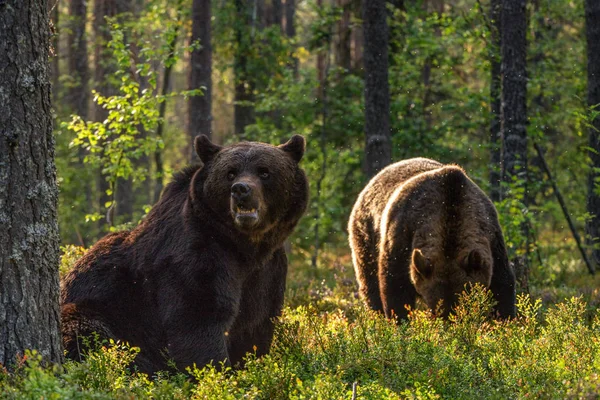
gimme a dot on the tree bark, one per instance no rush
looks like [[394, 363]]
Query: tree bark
[[244, 87], [378, 148], [592, 30], [514, 112], [53, 9], [200, 116], [514, 89], [29, 242], [495, 100]]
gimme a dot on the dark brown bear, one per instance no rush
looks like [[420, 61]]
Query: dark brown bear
[[423, 228], [202, 277]]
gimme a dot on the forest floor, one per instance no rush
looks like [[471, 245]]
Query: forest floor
[[329, 346]]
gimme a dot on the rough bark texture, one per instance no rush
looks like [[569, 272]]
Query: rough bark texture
[[53, 7], [495, 100], [514, 111], [29, 315], [200, 116], [378, 146], [592, 22]]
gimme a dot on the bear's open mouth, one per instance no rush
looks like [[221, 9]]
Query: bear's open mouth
[[240, 210], [245, 215]]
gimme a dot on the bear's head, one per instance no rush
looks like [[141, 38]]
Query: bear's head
[[254, 186], [439, 279]]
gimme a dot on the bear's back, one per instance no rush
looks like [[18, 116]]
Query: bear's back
[[444, 209], [374, 197]]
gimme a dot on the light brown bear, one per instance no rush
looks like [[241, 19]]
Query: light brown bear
[[423, 228]]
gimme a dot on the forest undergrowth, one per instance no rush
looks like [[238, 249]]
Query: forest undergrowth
[[329, 346]]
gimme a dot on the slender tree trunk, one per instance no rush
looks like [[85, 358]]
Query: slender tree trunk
[[378, 148], [592, 25], [358, 37], [343, 53], [514, 111], [29, 242], [321, 64], [244, 86], [104, 69], [290, 29], [276, 14], [395, 30], [77, 96], [199, 113], [514, 89], [495, 100], [77, 53], [166, 83]]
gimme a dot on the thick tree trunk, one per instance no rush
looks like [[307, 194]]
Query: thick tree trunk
[[29, 311], [514, 111], [244, 86], [592, 23], [378, 148], [495, 100], [200, 116]]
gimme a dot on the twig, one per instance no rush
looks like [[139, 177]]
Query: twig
[[564, 209]]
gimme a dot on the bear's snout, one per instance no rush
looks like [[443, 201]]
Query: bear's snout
[[245, 204], [240, 190]]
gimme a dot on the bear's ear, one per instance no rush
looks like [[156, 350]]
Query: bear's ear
[[475, 261], [205, 149], [422, 264], [295, 147]]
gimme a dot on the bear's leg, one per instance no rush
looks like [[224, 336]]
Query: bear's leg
[[503, 285], [78, 326], [397, 291], [256, 341], [199, 345], [364, 257], [262, 302]]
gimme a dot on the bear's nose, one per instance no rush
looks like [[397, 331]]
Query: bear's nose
[[240, 190]]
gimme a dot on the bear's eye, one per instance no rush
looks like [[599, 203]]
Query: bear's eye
[[231, 175], [263, 174]]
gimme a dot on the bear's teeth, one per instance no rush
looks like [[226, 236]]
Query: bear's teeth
[[251, 211]]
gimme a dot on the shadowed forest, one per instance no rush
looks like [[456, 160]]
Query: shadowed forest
[[507, 89]]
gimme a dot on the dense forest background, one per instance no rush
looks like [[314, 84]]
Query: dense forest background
[[508, 89], [135, 81]]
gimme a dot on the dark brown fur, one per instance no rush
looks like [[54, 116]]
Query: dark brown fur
[[198, 280], [423, 228]]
